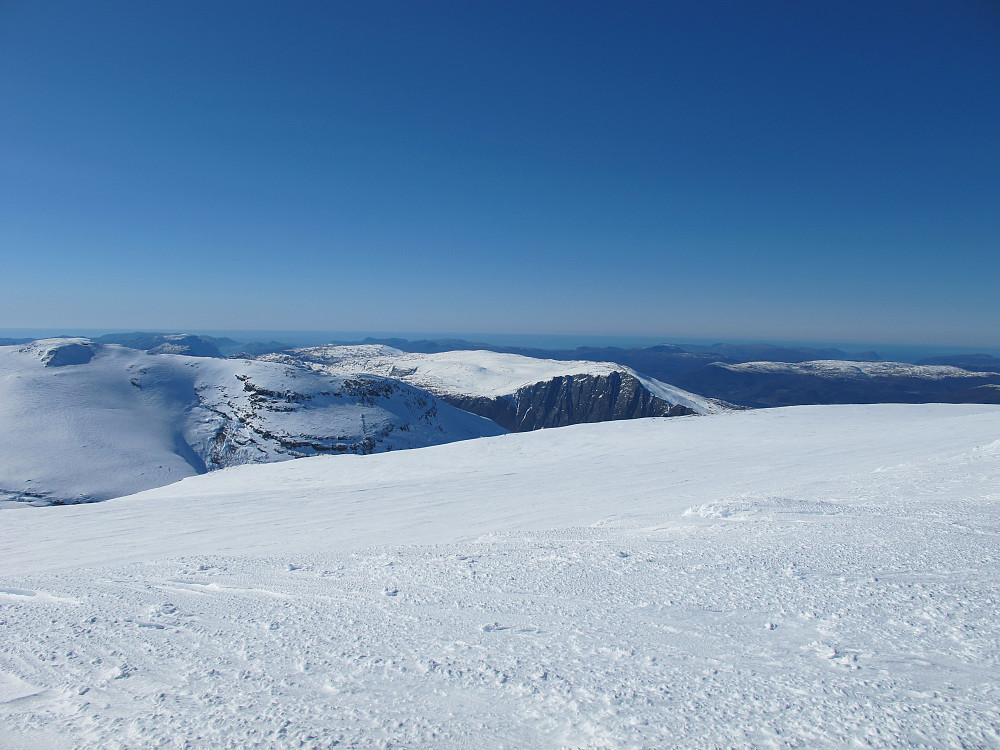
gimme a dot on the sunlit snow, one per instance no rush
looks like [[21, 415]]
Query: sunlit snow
[[800, 577]]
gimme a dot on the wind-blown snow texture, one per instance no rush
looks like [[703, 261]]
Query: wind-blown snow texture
[[80, 421], [803, 577]]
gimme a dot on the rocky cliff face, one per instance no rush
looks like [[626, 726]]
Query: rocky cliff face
[[569, 399]]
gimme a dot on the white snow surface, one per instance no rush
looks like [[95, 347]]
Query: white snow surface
[[832, 368], [821, 576], [80, 421], [479, 373]]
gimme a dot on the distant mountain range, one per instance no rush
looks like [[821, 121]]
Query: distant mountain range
[[769, 384], [660, 361], [741, 375], [567, 386]]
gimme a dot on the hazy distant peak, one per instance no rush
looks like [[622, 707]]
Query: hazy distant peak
[[849, 369]]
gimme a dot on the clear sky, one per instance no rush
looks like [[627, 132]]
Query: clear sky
[[765, 170]]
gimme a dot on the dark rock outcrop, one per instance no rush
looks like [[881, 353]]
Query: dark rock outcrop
[[569, 399]]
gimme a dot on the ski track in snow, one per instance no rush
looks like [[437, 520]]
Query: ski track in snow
[[835, 611]]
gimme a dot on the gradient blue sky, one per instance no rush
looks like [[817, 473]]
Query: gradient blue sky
[[824, 171]]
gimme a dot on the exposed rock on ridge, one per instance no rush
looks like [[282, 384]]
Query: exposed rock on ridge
[[516, 392], [569, 399]]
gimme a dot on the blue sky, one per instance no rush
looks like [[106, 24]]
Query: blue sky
[[744, 170]]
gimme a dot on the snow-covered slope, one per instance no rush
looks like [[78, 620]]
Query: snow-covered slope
[[81, 421], [520, 393], [803, 577]]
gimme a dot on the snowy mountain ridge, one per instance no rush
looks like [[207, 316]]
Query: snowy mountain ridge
[[520, 393], [81, 421], [478, 372]]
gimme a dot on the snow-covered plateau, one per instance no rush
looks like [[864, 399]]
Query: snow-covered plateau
[[820, 576]]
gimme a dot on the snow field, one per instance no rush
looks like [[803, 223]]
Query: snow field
[[805, 577]]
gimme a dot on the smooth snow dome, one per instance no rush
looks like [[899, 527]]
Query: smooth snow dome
[[481, 373], [822, 576], [119, 420]]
